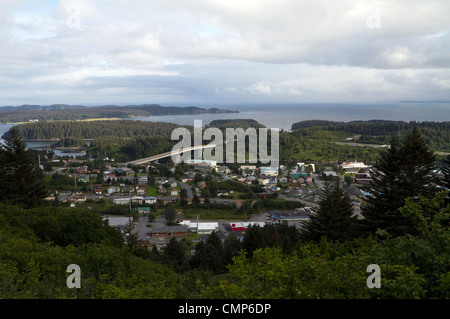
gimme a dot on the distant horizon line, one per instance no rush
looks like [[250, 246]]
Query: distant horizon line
[[203, 104]]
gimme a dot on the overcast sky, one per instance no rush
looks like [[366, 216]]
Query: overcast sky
[[223, 51]]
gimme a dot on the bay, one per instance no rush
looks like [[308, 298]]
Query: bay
[[282, 116]]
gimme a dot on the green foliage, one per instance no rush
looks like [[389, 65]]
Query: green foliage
[[404, 170], [94, 129], [19, 182], [333, 219], [435, 134]]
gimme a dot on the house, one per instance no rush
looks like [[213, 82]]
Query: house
[[113, 190], [363, 178], [137, 200], [264, 180], [95, 186], [143, 210], [173, 184], [222, 169], [296, 192], [82, 169], [162, 190], [98, 191], [128, 189], [222, 192], [140, 190], [143, 179], [168, 200], [84, 178], [174, 192], [79, 199], [201, 184], [330, 176], [150, 200], [110, 177]]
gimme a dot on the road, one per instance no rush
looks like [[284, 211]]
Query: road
[[317, 181], [294, 199]]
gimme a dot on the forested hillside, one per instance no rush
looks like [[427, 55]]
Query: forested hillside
[[311, 141], [435, 134], [61, 112], [94, 129]]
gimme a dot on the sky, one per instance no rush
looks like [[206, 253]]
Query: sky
[[223, 51]]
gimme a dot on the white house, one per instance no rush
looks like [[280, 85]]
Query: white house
[[150, 200]]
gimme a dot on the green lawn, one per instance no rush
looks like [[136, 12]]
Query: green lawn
[[152, 191]]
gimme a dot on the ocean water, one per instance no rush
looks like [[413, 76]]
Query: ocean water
[[282, 116]]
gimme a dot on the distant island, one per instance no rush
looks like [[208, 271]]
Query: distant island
[[64, 112]]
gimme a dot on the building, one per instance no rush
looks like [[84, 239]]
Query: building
[[113, 190], [242, 226], [140, 190], [330, 176], [353, 166], [143, 179], [150, 200], [170, 231], [121, 201], [300, 214], [143, 210], [137, 199], [363, 178], [269, 171], [79, 199], [117, 222], [202, 163], [298, 175], [201, 228]]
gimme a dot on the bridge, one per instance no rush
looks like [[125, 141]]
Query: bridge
[[169, 154]]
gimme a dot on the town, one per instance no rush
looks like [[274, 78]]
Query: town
[[204, 196]]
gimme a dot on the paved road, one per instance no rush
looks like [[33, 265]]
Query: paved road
[[188, 188], [294, 199]]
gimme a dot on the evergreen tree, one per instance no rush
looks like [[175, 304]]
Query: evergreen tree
[[333, 219], [404, 170], [445, 182], [175, 255], [231, 247], [19, 183], [253, 239], [213, 258]]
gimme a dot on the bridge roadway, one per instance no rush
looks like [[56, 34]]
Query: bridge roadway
[[168, 154]]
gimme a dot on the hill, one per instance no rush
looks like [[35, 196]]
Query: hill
[[63, 112]]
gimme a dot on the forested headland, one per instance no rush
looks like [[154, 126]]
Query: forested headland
[[62, 112]]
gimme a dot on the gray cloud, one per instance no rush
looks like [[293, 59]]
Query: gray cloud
[[250, 51]]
